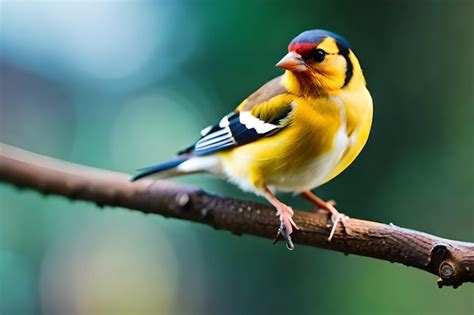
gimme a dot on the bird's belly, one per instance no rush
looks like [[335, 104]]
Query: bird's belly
[[315, 172]]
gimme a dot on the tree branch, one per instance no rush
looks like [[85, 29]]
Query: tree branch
[[452, 261]]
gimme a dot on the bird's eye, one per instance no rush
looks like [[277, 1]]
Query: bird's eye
[[318, 54]]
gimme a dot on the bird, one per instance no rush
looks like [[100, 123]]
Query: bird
[[293, 134]]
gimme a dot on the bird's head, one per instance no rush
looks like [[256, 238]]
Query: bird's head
[[319, 62]]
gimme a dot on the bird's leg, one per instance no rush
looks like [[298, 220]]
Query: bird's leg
[[286, 217], [336, 216]]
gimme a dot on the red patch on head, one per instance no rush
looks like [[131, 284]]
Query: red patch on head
[[301, 47]]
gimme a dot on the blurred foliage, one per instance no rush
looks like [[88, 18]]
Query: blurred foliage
[[121, 85]]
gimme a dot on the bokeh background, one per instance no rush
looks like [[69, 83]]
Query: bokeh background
[[121, 85]]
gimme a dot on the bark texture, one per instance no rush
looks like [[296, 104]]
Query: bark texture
[[452, 261]]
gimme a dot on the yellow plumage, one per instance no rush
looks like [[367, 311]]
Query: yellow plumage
[[302, 156], [295, 133]]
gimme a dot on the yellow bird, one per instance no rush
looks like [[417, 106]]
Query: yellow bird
[[295, 133]]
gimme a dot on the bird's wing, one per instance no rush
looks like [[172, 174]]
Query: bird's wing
[[261, 115]]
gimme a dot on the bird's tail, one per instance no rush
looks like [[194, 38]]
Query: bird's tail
[[166, 169]]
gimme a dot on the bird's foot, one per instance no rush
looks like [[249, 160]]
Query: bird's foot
[[286, 225], [336, 218]]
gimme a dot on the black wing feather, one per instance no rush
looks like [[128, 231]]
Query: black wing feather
[[232, 132]]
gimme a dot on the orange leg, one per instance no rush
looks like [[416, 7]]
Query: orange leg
[[336, 216], [286, 217]]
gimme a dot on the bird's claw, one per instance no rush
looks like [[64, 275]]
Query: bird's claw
[[282, 230], [286, 226], [336, 218]]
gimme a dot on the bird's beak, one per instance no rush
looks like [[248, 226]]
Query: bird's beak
[[293, 62]]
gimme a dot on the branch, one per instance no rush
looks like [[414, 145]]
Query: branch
[[452, 261]]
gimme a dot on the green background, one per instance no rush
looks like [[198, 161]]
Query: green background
[[121, 85]]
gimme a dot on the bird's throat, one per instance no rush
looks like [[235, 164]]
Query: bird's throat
[[303, 84]]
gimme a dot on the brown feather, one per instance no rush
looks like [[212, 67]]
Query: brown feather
[[269, 90]]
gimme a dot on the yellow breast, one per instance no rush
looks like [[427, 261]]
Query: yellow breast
[[359, 113], [323, 138]]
